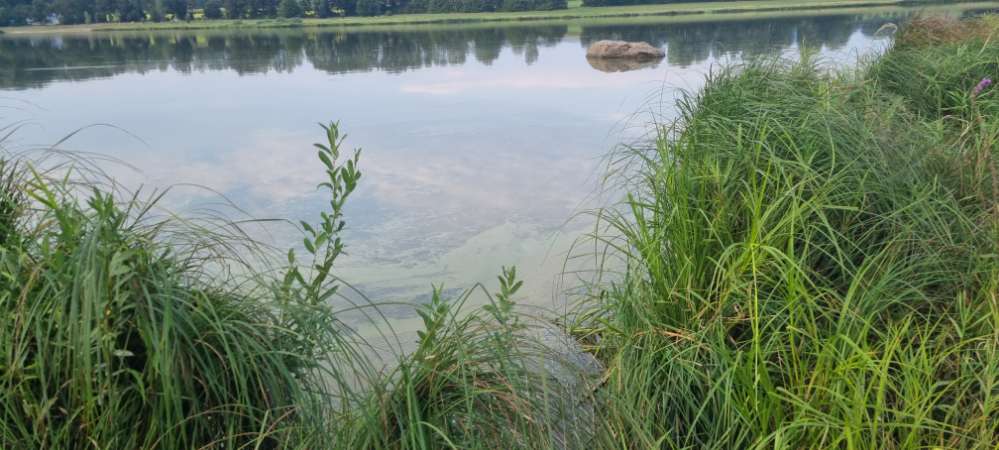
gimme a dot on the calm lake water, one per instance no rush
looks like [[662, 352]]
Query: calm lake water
[[480, 142]]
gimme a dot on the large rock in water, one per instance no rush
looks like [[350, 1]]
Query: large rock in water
[[622, 49]]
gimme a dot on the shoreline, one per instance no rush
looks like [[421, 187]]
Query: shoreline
[[581, 12]]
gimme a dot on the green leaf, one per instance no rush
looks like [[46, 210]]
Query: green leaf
[[326, 159]]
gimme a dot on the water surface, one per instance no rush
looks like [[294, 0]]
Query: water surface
[[479, 141]]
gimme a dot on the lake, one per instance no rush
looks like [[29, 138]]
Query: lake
[[480, 142]]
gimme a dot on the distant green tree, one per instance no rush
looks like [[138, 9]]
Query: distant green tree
[[156, 13], [234, 9], [130, 11], [413, 6], [290, 8], [18, 13], [213, 9], [345, 7], [321, 8], [370, 7], [516, 5], [263, 8], [73, 11], [445, 5], [103, 9], [38, 10], [176, 7], [622, 2]]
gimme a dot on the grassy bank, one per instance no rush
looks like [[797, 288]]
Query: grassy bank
[[813, 260], [577, 12], [810, 262]]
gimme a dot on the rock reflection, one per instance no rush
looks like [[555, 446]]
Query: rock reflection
[[611, 65]]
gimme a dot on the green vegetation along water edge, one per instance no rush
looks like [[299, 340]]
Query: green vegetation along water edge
[[810, 261], [206, 16]]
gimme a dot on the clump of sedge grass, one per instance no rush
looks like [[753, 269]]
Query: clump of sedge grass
[[477, 380], [943, 70], [114, 336], [804, 271], [935, 64]]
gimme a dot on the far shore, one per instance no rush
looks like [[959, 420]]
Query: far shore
[[706, 9]]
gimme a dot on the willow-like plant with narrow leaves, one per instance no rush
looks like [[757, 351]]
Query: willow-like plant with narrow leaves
[[323, 241]]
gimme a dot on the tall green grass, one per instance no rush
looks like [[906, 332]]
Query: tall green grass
[[479, 380], [116, 333], [811, 261], [807, 265], [124, 328]]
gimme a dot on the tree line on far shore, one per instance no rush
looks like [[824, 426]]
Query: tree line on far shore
[[27, 12], [639, 2], [336, 50]]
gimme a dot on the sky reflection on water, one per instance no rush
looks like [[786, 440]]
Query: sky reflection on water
[[479, 142]]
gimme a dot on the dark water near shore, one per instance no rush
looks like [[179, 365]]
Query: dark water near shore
[[479, 141]]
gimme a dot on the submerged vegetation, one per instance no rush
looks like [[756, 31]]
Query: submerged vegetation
[[811, 260]]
